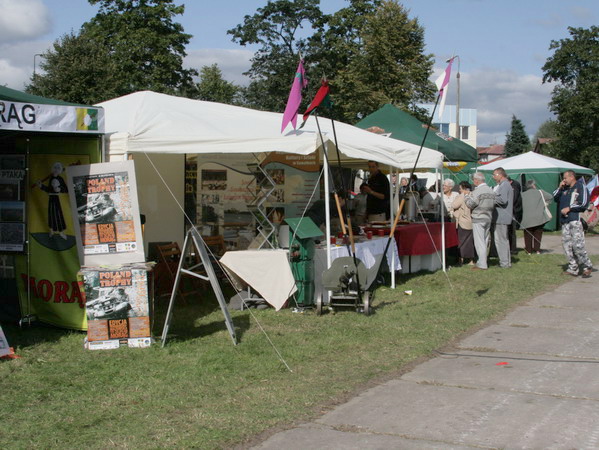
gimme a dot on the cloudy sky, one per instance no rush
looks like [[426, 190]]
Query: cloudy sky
[[502, 45]]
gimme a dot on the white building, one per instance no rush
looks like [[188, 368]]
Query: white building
[[447, 123]]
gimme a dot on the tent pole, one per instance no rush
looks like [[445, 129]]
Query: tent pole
[[392, 193], [327, 205]]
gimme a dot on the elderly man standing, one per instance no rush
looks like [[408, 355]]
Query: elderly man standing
[[481, 203], [572, 198], [503, 216]]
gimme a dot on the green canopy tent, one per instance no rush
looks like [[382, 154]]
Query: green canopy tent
[[546, 171], [459, 156], [39, 138]]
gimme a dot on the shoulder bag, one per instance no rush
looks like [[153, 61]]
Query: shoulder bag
[[547, 212]]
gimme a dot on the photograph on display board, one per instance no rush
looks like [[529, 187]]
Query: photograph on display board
[[214, 180], [277, 175], [10, 190], [276, 214], [12, 237], [116, 294], [12, 211], [277, 196], [107, 212], [12, 179]]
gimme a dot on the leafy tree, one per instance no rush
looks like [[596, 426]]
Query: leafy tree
[[338, 39], [390, 65], [547, 130], [370, 51], [139, 39], [275, 27], [78, 69], [574, 66], [516, 141], [212, 87]]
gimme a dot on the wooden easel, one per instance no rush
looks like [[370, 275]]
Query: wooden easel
[[193, 240]]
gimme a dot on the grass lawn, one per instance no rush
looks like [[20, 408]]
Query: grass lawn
[[201, 391]]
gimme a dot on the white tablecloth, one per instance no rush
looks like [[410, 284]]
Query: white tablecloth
[[416, 263], [267, 271], [366, 251]]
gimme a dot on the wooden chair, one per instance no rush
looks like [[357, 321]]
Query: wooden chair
[[216, 244], [169, 256]]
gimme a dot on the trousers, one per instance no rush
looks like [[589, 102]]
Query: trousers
[[502, 244], [574, 247], [480, 233]]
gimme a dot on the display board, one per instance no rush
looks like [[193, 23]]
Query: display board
[[117, 306], [12, 203], [106, 213]]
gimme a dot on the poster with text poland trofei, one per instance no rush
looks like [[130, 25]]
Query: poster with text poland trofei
[[106, 212]]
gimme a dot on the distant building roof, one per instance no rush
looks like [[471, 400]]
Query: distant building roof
[[497, 149]]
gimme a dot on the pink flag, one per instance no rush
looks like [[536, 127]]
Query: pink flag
[[295, 97], [442, 83]]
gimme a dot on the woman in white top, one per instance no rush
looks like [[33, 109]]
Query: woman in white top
[[449, 196]]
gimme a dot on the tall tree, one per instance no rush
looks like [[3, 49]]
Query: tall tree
[[276, 28], [516, 141], [547, 131], [371, 52], [389, 67], [78, 69], [139, 37], [574, 66], [214, 88]]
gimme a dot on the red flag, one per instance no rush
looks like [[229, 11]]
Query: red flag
[[321, 97]]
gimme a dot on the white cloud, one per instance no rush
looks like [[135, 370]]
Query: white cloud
[[23, 19], [16, 62], [12, 76], [231, 62], [497, 95]]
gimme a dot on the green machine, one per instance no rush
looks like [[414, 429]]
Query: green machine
[[302, 246]]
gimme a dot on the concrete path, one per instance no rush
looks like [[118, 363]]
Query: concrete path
[[528, 381]]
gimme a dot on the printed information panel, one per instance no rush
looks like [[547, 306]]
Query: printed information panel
[[106, 211], [117, 306]]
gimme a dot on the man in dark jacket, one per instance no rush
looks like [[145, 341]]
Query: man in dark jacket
[[517, 215], [572, 198], [377, 189]]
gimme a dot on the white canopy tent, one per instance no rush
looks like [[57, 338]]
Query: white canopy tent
[[154, 125], [157, 123], [534, 161]]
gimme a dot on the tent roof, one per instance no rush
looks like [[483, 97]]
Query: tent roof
[[23, 97], [407, 128], [157, 123], [534, 161]]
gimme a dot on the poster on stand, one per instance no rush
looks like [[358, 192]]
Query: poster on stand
[[12, 203], [117, 306], [106, 213]]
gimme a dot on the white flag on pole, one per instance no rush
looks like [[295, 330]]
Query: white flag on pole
[[442, 84]]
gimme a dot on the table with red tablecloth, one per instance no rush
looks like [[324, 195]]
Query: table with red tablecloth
[[418, 244]]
